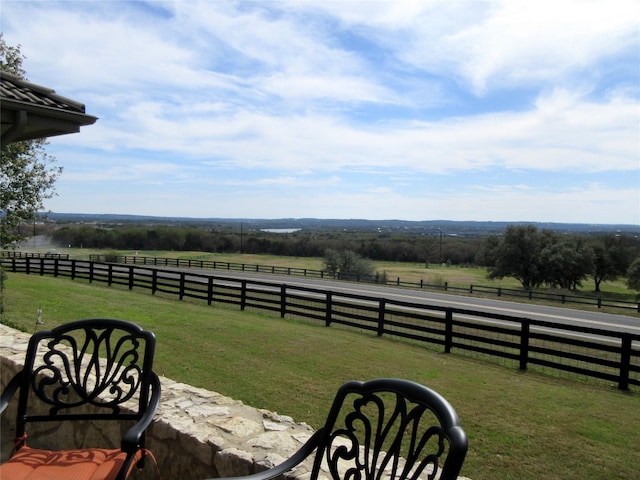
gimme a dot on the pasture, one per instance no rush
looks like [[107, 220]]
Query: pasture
[[520, 425]]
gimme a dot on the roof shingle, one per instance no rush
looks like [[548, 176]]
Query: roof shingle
[[31, 111]]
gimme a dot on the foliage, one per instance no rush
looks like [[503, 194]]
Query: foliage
[[566, 261], [517, 255], [613, 255], [347, 264], [395, 247], [536, 257], [633, 275], [27, 172]]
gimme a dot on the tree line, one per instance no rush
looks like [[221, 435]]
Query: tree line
[[374, 246], [545, 258], [533, 256]]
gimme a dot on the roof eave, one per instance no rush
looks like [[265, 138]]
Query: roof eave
[[40, 122]]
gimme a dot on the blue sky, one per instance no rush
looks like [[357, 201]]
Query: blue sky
[[456, 110]]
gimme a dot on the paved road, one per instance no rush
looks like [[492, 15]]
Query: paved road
[[559, 315]]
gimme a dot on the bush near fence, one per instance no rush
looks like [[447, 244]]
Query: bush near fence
[[585, 351]]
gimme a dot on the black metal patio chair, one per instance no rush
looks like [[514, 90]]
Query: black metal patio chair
[[383, 429], [92, 371]]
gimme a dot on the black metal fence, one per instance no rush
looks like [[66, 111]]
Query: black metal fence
[[589, 352], [563, 298], [380, 279]]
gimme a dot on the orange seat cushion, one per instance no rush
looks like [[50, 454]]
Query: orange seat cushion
[[82, 464]]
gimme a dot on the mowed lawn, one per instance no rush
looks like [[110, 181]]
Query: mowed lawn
[[520, 425]]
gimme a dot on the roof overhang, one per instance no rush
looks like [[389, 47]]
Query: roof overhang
[[29, 111]]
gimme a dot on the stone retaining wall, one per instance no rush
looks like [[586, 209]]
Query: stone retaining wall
[[196, 434]]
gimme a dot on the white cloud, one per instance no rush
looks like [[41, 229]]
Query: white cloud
[[342, 96], [491, 44], [560, 132]]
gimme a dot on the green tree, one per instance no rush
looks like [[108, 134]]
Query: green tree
[[517, 255], [633, 275], [566, 261], [347, 264], [27, 172], [612, 257]]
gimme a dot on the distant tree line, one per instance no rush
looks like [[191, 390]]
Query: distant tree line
[[399, 247], [534, 257]]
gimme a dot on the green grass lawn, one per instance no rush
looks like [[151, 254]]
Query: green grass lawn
[[520, 425]]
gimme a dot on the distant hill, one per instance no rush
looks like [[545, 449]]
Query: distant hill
[[437, 227]]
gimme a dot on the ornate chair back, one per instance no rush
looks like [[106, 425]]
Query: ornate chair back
[[390, 428], [89, 370]]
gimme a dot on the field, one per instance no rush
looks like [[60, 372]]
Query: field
[[407, 272], [520, 425]]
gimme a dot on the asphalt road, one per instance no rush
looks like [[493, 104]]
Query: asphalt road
[[565, 316]]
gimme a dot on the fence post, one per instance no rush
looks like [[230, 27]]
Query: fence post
[[625, 363], [110, 274], [524, 344], [131, 277], [55, 267], [329, 308], [154, 281], [73, 269], [181, 293], [243, 295], [448, 330], [210, 291], [446, 286], [381, 309], [28, 269], [283, 300], [91, 266]]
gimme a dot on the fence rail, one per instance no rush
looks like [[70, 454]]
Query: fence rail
[[306, 272], [563, 298], [591, 352]]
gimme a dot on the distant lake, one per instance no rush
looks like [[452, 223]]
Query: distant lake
[[280, 230]]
